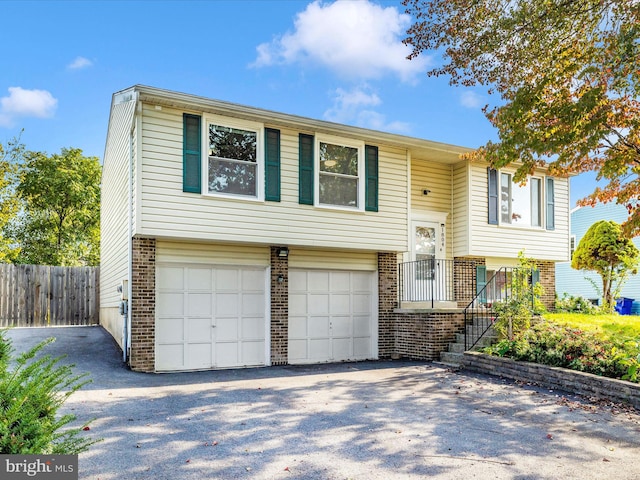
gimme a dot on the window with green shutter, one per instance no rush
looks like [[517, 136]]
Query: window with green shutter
[[191, 153], [306, 159], [371, 178], [481, 282], [272, 165]]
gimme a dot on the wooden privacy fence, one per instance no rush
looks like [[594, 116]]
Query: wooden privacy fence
[[40, 296]]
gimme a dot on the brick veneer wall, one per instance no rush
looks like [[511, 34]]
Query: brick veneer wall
[[143, 305], [464, 283], [279, 309], [423, 335], [548, 281], [387, 300], [554, 377]]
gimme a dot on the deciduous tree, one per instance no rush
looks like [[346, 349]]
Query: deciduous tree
[[60, 219], [9, 155], [567, 76]]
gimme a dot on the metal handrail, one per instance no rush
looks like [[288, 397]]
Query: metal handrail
[[480, 314], [435, 280]]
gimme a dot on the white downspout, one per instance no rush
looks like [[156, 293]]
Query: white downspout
[[127, 323]]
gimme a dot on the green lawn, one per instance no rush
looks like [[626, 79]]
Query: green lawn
[[619, 327]]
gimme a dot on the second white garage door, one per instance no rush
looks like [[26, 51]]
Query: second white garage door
[[210, 317], [332, 316]]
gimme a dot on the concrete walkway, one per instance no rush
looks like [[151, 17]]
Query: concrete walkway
[[370, 420]]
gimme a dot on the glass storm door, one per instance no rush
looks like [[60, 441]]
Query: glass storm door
[[421, 284]]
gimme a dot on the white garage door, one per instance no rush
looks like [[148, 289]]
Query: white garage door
[[332, 316], [209, 317]]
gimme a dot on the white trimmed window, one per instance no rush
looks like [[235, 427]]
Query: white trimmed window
[[521, 204], [340, 173], [235, 158]]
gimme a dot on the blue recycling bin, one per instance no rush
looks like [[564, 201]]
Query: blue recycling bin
[[623, 305]]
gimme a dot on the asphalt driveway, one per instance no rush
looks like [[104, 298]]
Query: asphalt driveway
[[369, 420]]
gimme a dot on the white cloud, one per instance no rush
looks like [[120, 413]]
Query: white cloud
[[26, 103], [355, 107], [356, 39], [79, 63], [471, 99]]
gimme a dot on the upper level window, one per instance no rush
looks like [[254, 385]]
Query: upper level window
[[234, 159], [340, 174], [520, 204]]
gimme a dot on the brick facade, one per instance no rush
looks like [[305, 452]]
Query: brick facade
[[411, 334], [143, 305], [423, 335], [464, 279], [279, 308], [387, 301], [548, 281]]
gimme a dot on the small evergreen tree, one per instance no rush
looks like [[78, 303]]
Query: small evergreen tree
[[31, 392], [605, 250]]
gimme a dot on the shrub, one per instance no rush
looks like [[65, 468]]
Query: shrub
[[514, 314], [576, 304], [561, 346], [31, 392]]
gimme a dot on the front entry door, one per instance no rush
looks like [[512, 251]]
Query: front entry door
[[423, 281]]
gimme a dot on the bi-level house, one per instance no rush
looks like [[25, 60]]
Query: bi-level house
[[246, 237]]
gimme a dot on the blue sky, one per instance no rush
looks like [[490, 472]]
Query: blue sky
[[60, 62]]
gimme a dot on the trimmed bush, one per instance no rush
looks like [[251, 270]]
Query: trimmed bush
[[32, 389]]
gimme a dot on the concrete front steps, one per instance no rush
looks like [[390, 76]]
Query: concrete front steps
[[453, 357]]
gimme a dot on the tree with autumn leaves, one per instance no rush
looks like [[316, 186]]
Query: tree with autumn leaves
[[568, 79]]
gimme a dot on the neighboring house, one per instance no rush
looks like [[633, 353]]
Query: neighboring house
[[246, 237], [575, 282]]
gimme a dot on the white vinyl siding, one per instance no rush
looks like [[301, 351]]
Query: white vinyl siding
[[216, 254], [435, 177], [114, 215], [339, 260], [461, 217], [507, 241], [169, 212]]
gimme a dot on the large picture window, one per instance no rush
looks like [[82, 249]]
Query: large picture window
[[520, 204], [340, 174], [233, 160]]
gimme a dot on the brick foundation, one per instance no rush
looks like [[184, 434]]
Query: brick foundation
[[279, 308], [143, 305], [423, 335]]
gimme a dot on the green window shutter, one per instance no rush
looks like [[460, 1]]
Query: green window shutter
[[492, 178], [371, 178], [535, 276], [481, 281], [305, 188], [551, 205], [191, 153], [272, 165]]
